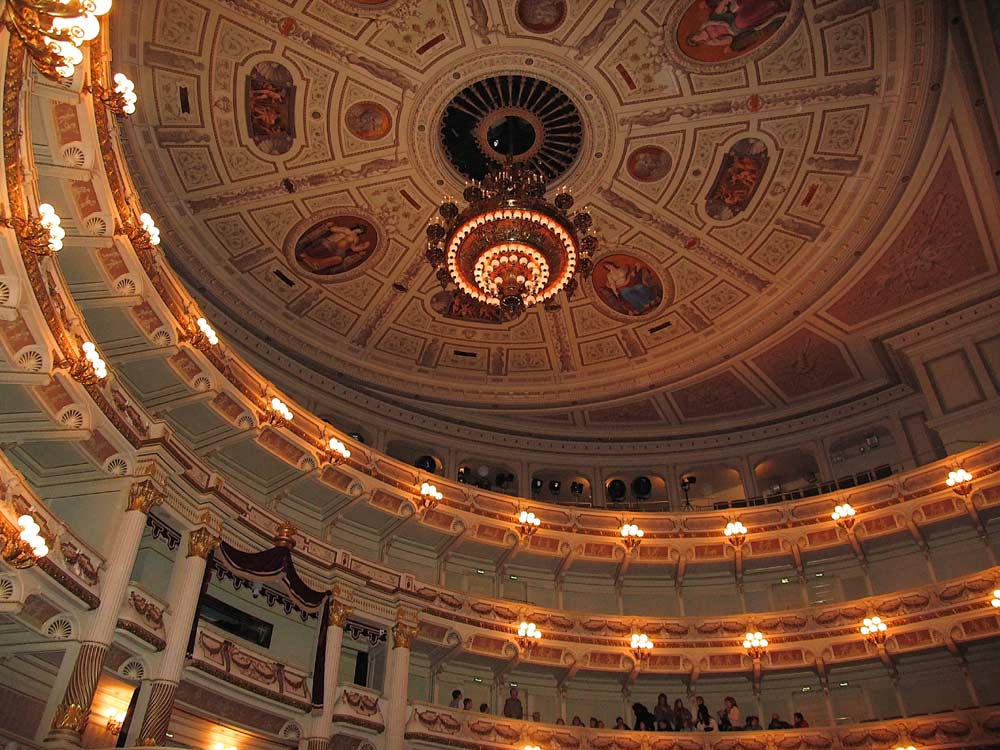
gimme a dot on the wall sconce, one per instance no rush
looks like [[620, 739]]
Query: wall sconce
[[995, 601], [844, 516], [39, 236], [146, 236], [220, 746], [527, 636], [755, 644], [121, 99], [874, 630], [336, 452], [279, 413], [529, 523], [736, 533], [631, 536], [429, 496], [115, 720], [960, 482], [640, 646], [23, 546]]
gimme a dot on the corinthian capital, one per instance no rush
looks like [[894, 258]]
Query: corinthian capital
[[339, 612], [403, 634], [145, 495], [201, 542]]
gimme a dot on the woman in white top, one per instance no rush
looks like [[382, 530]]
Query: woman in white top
[[729, 716]]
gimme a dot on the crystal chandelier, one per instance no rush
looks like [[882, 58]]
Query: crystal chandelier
[[510, 248]]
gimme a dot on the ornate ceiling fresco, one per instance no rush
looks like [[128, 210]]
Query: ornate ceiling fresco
[[747, 170]]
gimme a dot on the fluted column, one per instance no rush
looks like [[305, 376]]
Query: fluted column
[[397, 681], [74, 710], [185, 590], [322, 722]]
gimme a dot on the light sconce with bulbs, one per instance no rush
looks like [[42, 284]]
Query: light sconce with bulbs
[[529, 523], [336, 451], [960, 482], [89, 368], [203, 336], [874, 630], [220, 746], [23, 546], [532, 747], [736, 533], [147, 235], [631, 536], [53, 30], [995, 601], [640, 646], [527, 636], [121, 99], [279, 414], [39, 236], [115, 720], [755, 644], [844, 516], [429, 496]]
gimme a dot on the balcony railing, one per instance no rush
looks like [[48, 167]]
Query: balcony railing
[[143, 615]]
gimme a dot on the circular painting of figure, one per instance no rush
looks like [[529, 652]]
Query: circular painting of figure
[[649, 163], [540, 16], [336, 244], [627, 285], [713, 31], [368, 121]]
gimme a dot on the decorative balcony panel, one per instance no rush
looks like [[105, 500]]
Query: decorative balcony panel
[[142, 615], [360, 707], [217, 655]]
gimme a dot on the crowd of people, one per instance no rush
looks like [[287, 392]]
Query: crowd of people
[[665, 717]]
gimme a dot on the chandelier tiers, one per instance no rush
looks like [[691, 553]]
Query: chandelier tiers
[[510, 248], [53, 31]]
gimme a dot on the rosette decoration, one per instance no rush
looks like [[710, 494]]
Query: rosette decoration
[[510, 248]]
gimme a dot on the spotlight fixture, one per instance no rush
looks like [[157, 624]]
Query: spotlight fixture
[[23, 546], [463, 474], [736, 533], [686, 481], [42, 235], [642, 487], [874, 630], [527, 636], [960, 482], [755, 644], [617, 489], [576, 489], [536, 486], [640, 645], [844, 516], [555, 486], [115, 720], [529, 523], [631, 536], [53, 30]]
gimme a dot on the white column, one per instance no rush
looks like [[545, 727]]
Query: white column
[[184, 592], [322, 723], [74, 711], [397, 681]]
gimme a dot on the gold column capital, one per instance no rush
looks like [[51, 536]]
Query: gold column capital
[[145, 495], [403, 634], [71, 716], [201, 542], [339, 612]]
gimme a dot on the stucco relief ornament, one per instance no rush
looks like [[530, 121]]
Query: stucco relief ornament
[[339, 612], [71, 716]]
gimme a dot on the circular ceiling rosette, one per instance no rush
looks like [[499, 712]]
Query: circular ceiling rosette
[[511, 118]]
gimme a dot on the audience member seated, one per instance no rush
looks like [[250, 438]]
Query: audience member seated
[[729, 716], [705, 722], [662, 710], [467, 704], [577, 722], [620, 723], [800, 721], [593, 723], [484, 708], [512, 708], [753, 723], [662, 725], [682, 717], [537, 717], [456, 699], [560, 722], [778, 723]]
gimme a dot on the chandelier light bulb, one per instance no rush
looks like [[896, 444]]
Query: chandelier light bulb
[[873, 625], [957, 477], [30, 534], [337, 446], [842, 512], [429, 490], [996, 598], [735, 528]]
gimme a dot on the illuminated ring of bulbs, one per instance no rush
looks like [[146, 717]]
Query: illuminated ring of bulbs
[[459, 235], [508, 254]]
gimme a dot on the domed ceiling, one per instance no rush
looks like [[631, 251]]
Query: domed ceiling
[[745, 163]]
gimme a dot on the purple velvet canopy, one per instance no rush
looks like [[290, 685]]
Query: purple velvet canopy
[[275, 564]]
